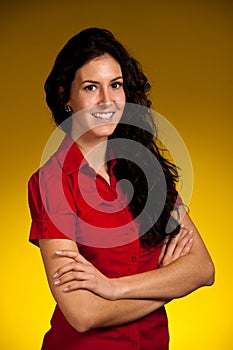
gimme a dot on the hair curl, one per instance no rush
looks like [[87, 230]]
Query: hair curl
[[81, 48]]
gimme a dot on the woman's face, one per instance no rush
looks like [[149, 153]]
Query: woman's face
[[98, 96]]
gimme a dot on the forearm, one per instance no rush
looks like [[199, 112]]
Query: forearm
[[176, 279], [186, 266], [97, 312], [84, 309], [172, 281], [124, 311]]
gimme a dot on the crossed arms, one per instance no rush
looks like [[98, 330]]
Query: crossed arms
[[88, 299]]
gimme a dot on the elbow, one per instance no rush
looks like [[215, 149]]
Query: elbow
[[82, 322], [81, 327], [209, 274]]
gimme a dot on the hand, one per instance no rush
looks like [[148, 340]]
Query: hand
[[81, 274], [180, 245]]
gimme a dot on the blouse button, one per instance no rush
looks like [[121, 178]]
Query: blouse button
[[134, 258]]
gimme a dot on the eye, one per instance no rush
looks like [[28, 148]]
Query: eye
[[90, 87], [116, 85]]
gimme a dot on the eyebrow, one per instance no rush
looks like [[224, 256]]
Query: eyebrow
[[97, 82]]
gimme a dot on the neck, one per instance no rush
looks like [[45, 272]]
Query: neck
[[94, 151]]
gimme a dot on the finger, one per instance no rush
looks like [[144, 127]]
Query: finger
[[67, 253], [80, 258], [183, 227], [74, 254], [183, 231], [73, 266], [173, 241], [171, 246], [187, 248], [177, 243], [77, 285], [72, 276], [182, 244]]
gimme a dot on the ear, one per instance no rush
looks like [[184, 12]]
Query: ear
[[61, 94]]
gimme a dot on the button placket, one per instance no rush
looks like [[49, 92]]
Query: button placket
[[135, 338], [135, 345], [134, 256]]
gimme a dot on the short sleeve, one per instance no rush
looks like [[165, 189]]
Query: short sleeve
[[51, 218], [178, 201]]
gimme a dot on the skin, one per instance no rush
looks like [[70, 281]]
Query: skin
[[81, 274], [87, 298], [185, 265], [96, 88], [85, 310]]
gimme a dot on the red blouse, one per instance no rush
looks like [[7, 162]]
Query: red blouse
[[69, 200]]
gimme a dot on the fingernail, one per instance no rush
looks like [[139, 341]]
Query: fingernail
[[58, 252], [57, 282], [55, 275], [66, 289], [182, 225], [190, 232]]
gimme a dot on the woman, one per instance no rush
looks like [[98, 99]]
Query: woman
[[111, 266]]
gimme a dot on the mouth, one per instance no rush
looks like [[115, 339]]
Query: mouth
[[103, 115]]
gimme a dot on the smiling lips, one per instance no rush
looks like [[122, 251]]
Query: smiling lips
[[103, 116]]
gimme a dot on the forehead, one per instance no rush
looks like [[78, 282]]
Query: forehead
[[102, 66]]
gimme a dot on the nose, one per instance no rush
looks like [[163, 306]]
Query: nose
[[105, 96]]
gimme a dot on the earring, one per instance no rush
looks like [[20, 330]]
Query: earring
[[68, 110]]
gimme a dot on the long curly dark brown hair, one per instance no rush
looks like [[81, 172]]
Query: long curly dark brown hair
[[90, 43]]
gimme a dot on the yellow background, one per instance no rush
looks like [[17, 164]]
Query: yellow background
[[186, 50]]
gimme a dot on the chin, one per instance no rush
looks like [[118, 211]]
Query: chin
[[104, 130]]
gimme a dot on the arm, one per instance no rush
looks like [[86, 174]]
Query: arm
[[184, 268], [83, 309], [176, 279]]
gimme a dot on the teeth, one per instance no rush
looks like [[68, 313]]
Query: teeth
[[103, 115]]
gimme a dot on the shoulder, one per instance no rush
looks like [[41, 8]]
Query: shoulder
[[42, 178], [65, 161], [49, 171]]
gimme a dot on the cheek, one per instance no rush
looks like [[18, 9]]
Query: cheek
[[123, 97], [121, 100], [81, 102]]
